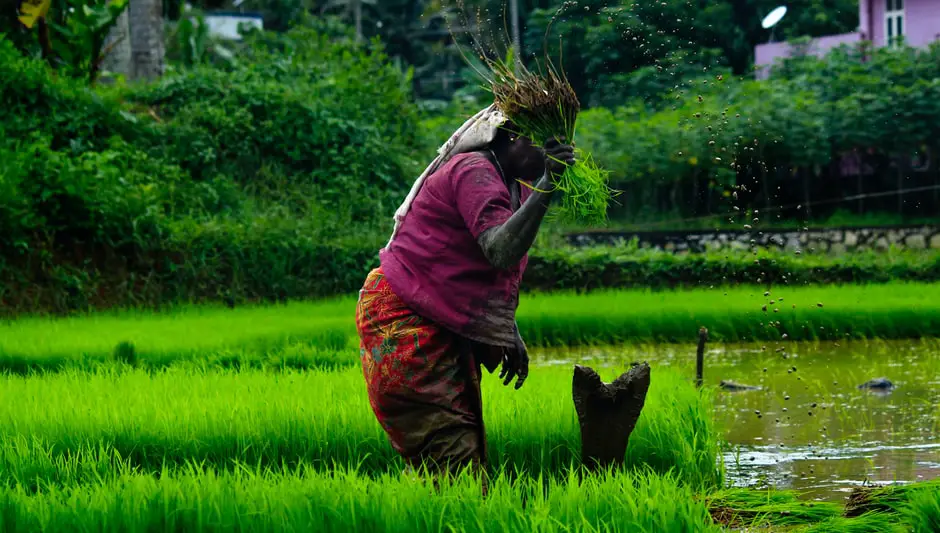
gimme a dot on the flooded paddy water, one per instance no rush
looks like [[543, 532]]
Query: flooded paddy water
[[809, 427]]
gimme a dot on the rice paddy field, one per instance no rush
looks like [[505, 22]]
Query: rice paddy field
[[256, 419]]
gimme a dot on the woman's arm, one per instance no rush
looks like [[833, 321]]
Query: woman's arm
[[505, 245]]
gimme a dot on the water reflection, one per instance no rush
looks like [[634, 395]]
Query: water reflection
[[810, 427]]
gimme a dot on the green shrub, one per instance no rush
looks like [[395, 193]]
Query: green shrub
[[75, 118], [238, 184], [626, 267], [776, 143], [275, 259], [299, 120]]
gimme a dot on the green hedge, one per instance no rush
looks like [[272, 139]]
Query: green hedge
[[277, 261], [626, 267]]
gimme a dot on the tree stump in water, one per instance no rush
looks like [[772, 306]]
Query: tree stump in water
[[608, 412]]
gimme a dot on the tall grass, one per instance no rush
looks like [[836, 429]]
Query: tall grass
[[204, 500], [182, 333], [807, 313], [922, 512], [64, 427], [891, 311]]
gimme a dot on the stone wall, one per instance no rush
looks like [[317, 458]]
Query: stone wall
[[812, 240]]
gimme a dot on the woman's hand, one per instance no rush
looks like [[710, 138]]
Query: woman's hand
[[558, 156], [515, 363]]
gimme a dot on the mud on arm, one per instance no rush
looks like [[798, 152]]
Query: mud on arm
[[505, 245]]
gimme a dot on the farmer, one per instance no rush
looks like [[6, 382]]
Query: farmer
[[442, 304]]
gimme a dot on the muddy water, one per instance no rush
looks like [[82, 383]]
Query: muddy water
[[810, 428]]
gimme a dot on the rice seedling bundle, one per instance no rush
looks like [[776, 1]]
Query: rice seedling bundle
[[736, 508], [543, 107]]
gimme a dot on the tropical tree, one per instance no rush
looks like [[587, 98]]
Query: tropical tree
[[117, 60], [353, 10], [146, 28]]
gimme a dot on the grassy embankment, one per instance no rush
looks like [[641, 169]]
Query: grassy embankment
[[311, 334]]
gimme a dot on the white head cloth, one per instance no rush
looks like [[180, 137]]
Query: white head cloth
[[475, 134]]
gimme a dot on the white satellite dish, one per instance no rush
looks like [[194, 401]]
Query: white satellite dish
[[774, 17]]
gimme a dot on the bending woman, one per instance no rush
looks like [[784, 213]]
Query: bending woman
[[443, 302]]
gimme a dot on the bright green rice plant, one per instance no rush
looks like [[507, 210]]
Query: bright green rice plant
[[867, 523], [205, 499], [544, 107], [922, 511], [908, 508], [893, 499], [131, 418], [312, 334]]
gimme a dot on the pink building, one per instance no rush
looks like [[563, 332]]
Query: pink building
[[880, 21]]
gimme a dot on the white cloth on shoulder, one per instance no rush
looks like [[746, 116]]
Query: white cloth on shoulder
[[475, 134]]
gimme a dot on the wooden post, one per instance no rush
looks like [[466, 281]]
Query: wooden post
[[608, 412], [700, 356]]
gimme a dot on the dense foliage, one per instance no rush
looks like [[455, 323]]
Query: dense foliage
[[604, 42], [71, 37], [274, 175], [857, 121], [120, 195]]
